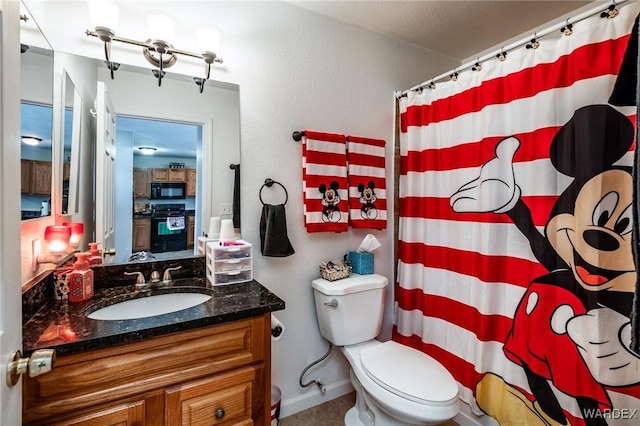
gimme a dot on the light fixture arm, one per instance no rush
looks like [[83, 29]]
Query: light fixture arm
[[153, 51]]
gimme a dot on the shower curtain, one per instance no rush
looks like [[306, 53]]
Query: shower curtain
[[515, 267]]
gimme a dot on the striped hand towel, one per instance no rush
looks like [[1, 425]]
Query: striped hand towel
[[324, 182], [367, 187]]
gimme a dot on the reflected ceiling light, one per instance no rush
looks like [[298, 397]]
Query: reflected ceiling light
[[31, 140], [147, 150], [157, 49]]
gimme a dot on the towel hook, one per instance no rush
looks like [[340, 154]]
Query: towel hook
[[268, 182]]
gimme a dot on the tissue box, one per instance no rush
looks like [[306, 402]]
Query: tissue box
[[361, 263]]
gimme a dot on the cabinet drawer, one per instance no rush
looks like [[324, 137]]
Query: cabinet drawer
[[128, 414], [230, 252], [232, 277], [220, 400]]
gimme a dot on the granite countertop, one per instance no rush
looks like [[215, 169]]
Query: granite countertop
[[63, 326]]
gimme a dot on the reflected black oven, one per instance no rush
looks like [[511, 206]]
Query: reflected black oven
[[168, 191], [168, 228]]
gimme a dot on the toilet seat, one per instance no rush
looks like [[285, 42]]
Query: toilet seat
[[409, 373]]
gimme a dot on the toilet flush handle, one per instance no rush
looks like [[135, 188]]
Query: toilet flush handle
[[333, 303]]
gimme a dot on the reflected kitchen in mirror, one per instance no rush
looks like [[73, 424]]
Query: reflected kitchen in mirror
[[164, 201], [36, 119]]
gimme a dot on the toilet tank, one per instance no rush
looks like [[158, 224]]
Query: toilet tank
[[350, 310]]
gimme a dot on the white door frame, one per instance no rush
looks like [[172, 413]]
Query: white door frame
[[10, 281]]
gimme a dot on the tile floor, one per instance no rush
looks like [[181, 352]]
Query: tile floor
[[330, 413]]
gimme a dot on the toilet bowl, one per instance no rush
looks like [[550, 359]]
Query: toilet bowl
[[395, 384], [400, 386]]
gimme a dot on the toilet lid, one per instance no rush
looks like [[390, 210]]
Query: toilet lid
[[409, 373]]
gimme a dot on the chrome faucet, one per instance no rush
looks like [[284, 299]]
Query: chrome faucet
[[140, 283], [166, 277]]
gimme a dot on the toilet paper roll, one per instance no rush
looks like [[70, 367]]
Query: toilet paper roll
[[214, 227], [227, 233], [277, 328]]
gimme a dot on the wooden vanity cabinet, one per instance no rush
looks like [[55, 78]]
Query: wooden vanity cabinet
[[217, 375]]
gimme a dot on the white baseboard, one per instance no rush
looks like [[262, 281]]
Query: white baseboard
[[314, 397]]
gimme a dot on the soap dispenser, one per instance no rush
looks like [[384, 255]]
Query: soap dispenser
[[95, 257], [81, 280]]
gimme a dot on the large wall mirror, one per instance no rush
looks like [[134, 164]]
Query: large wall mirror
[[196, 136], [36, 119], [174, 147]]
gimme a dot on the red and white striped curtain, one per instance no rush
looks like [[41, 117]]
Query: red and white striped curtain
[[494, 180]]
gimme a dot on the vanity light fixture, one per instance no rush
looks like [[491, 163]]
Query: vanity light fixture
[[31, 140], [157, 49], [56, 238], [147, 150]]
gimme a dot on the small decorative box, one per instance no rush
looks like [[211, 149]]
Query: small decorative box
[[361, 262], [61, 282]]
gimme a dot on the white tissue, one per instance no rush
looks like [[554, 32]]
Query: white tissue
[[277, 328], [214, 227], [369, 244], [227, 233]]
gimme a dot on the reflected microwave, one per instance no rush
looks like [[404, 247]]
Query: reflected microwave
[[168, 191]]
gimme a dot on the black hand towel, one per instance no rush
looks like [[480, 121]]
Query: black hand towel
[[274, 241]]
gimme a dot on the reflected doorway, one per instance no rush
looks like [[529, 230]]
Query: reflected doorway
[[157, 197]]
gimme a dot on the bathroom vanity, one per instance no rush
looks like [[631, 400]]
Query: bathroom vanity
[[206, 365]]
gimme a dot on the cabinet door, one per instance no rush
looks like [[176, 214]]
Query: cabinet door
[[177, 175], [141, 183], [141, 234], [160, 175], [191, 183], [128, 414], [191, 224], [41, 177], [224, 399], [25, 176]]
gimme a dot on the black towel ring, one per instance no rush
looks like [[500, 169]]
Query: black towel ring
[[268, 182]]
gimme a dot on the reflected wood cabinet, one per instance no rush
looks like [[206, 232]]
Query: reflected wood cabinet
[[168, 175], [191, 183], [141, 234], [191, 225], [217, 375], [35, 177], [141, 183]]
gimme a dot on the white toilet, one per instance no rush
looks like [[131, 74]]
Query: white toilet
[[395, 384]]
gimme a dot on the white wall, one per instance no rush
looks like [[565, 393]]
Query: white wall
[[299, 70]]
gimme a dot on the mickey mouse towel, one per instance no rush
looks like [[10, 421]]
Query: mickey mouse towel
[[324, 182], [367, 188]]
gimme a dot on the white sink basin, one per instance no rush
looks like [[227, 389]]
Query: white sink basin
[[149, 306]]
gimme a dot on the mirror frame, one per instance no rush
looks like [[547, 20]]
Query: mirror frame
[[76, 124]]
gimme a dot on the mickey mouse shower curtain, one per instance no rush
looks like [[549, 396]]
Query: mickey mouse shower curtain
[[515, 264]]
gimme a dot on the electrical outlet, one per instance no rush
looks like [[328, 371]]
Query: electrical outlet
[[226, 208]]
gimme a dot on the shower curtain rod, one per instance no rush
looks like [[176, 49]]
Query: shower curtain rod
[[580, 17]]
